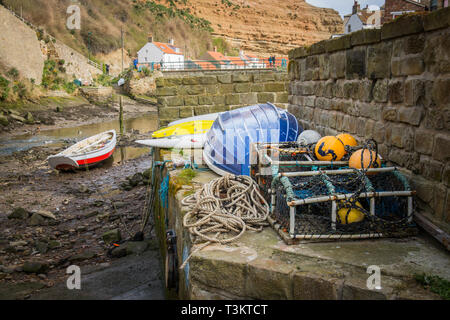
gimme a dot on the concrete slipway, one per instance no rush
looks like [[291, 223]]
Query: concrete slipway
[[262, 266]]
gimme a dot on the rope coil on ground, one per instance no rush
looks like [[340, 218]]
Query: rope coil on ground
[[223, 210]]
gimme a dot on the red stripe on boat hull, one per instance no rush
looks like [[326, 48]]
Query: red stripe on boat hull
[[96, 159]]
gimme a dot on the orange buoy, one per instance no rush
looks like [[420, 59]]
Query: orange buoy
[[347, 140], [329, 148], [369, 159]]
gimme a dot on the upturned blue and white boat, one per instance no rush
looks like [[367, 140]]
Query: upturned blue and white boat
[[227, 147]]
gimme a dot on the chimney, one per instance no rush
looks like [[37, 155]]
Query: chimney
[[150, 38], [356, 7], [171, 41]]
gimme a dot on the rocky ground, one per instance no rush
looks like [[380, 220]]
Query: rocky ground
[[50, 220]]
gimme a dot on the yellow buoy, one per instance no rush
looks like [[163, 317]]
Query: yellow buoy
[[369, 159], [347, 140], [329, 148], [352, 216]]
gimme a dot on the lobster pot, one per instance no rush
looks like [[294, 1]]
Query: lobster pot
[[271, 159], [342, 204]]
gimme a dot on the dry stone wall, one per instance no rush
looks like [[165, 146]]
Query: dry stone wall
[[182, 96], [392, 85]]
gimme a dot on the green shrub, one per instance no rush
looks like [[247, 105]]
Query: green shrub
[[13, 73], [146, 71], [435, 283]]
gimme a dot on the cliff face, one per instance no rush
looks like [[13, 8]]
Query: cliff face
[[263, 27], [267, 27]]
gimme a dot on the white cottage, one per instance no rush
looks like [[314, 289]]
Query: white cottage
[[367, 18], [161, 55]]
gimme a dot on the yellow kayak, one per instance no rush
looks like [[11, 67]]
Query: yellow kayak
[[191, 127]]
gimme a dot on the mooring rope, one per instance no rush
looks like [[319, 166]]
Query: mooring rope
[[223, 210]]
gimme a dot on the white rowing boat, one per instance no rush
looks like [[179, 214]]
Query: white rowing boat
[[88, 152]]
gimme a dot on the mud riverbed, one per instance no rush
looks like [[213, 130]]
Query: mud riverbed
[[62, 217]]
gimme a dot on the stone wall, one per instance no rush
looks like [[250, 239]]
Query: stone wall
[[392, 85], [76, 65], [182, 96], [19, 47]]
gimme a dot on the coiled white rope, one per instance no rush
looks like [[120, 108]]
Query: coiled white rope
[[223, 210]]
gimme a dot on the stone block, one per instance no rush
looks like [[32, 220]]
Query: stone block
[[205, 100], [379, 132], [432, 170], [226, 88], [281, 97], [404, 25], [437, 20], [211, 88], [365, 90], [338, 64], [231, 99], [224, 78], [226, 275], [275, 87], [194, 90], [378, 57], [446, 175], [191, 80], [414, 44], [191, 100], [338, 44], [423, 187], [242, 87], [440, 93], [414, 91], [311, 286], [269, 280], [396, 91], [280, 76], [410, 66], [250, 98], [265, 76], [410, 115], [186, 111], [371, 111], [200, 110], [439, 201], [166, 91], [423, 141], [397, 135], [380, 90], [257, 87], [169, 113], [242, 77], [264, 97], [171, 101], [441, 150], [365, 36], [355, 63], [324, 66], [208, 80]]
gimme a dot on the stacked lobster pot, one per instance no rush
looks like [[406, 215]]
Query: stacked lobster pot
[[313, 198]]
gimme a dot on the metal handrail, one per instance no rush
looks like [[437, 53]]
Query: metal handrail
[[224, 64]]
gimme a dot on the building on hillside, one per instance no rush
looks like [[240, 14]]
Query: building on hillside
[[396, 8], [367, 18], [438, 4], [199, 65], [252, 61], [223, 62], [158, 55]]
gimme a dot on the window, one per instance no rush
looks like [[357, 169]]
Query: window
[[349, 28]]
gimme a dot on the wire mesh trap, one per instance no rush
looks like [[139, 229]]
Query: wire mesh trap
[[343, 204], [327, 200]]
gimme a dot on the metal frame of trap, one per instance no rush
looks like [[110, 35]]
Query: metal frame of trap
[[372, 194], [262, 161]]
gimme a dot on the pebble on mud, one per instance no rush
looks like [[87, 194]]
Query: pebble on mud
[[19, 213], [35, 267], [112, 236]]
